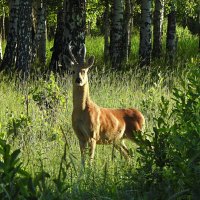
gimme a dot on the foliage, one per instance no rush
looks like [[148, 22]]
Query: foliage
[[4, 8], [94, 12], [15, 183], [170, 160], [48, 95]]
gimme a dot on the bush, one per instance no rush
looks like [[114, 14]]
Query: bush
[[169, 162]]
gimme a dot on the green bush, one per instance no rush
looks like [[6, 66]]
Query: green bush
[[169, 165]]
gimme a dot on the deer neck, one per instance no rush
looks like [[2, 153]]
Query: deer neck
[[81, 97]]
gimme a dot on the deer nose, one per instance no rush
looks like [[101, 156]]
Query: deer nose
[[78, 80]]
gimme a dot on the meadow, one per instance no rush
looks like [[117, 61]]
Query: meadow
[[39, 152]]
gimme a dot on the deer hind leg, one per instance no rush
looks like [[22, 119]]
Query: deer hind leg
[[121, 147], [124, 147]]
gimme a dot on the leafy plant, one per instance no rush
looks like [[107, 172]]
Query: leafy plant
[[169, 165], [17, 124], [47, 94], [14, 181]]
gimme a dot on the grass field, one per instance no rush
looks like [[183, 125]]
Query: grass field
[[35, 117]]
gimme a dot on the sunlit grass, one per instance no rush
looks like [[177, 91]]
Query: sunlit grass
[[41, 138]]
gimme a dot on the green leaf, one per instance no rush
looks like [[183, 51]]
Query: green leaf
[[14, 156]]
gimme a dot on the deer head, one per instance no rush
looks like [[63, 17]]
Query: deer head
[[79, 67]]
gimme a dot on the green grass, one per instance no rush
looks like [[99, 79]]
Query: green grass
[[37, 131]]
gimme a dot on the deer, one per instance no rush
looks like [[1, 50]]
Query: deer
[[93, 124]]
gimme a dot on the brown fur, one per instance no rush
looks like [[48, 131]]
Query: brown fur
[[95, 125]]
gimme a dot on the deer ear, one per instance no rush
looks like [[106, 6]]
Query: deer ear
[[90, 61]]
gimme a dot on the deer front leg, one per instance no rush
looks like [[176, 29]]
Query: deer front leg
[[92, 144], [83, 145]]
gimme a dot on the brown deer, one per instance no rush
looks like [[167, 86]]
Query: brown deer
[[94, 124]]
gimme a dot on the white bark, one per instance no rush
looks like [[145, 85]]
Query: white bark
[[116, 38], [1, 53], [158, 28], [145, 33], [39, 41], [42, 42], [127, 28]]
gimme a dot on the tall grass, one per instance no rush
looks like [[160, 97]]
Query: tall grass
[[37, 119]]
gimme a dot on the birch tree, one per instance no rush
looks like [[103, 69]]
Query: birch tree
[[106, 26], [116, 34], [24, 37], [127, 28], [9, 57], [171, 33], [74, 26], [145, 34], [158, 28], [39, 25], [43, 37]]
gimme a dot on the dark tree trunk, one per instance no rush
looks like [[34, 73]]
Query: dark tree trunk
[[74, 27], [127, 28], [1, 53], [9, 58], [24, 37], [158, 28], [171, 35], [106, 25], [145, 34], [58, 44], [116, 35], [2, 25]]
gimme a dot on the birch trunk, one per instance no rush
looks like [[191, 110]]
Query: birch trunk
[[116, 35], [43, 38], [158, 28], [106, 31], [24, 37], [39, 40], [145, 34], [127, 28], [171, 35], [74, 27], [9, 57]]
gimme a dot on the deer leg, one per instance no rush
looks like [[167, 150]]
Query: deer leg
[[92, 144], [125, 148], [83, 145], [121, 147]]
